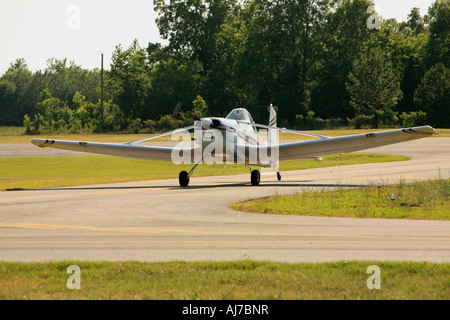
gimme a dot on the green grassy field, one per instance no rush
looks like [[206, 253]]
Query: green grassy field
[[225, 281], [428, 200], [49, 172]]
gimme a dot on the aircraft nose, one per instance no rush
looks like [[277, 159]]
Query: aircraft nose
[[207, 124]]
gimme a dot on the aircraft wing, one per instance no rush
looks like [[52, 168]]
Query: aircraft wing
[[111, 149], [127, 149], [346, 144], [290, 151]]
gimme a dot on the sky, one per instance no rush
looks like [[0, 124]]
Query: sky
[[80, 30]]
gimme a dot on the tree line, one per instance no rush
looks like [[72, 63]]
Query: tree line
[[324, 63]]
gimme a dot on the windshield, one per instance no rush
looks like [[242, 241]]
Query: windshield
[[241, 115]]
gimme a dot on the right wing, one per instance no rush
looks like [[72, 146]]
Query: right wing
[[326, 146], [352, 143]]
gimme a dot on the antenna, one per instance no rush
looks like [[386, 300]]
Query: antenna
[[177, 109], [101, 96]]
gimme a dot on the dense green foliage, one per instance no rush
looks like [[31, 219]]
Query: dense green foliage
[[320, 61]]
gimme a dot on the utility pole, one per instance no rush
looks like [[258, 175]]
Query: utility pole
[[101, 96]]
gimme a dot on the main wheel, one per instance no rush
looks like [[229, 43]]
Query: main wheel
[[256, 177], [184, 179], [278, 176]]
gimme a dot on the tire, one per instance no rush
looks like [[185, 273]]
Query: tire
[[255, 178], [183, 179]]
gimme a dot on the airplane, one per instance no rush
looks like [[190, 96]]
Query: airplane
[[235, 139]]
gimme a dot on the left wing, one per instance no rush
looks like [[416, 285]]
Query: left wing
[[127, 150], [111, 149]]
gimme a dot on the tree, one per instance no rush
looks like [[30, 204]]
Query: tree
[[407, 54], [374, 87], [346, 36], [203, 35], [20, 89], [129, 81], [283, 40], [415, 21], [438, 47], [15, 83], [172, 81], [192, 26], [7, 100], [433, 95], [56, 113]]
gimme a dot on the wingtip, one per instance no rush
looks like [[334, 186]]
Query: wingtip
[[434, 131], [431, 130], [42, 143], [37, 142], [424, 130]]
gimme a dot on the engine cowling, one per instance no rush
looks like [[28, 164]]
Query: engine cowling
[[210, 123], [207, 124]]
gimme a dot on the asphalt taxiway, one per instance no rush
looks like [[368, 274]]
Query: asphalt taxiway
[[159, 221]]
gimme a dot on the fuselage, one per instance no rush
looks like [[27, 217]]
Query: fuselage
[[227, 137]]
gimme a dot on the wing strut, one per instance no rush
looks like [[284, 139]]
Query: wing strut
[[159, 135], [286, 130]]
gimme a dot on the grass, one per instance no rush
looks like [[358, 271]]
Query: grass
[[240, 280], [340, 160], [428, 200], [49, 172], [11, 131]]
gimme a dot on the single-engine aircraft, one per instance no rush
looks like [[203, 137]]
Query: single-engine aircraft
[[235, 139]]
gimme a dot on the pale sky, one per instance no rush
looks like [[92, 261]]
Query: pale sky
[[81, 30]]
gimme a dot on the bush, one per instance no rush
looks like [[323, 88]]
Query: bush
[[309, 122], [150, 126], [334, 123], [56, 117], [135, 126], [27, 124], [388, 118], [361, 121], [413, 119], [167, 123]]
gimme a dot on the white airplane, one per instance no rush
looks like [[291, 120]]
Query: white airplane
[[235, 139]]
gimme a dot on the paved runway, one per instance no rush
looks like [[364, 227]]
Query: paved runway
[[158, 221]]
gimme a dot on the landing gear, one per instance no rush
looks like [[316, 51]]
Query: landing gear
[[184, 179], [278, 176], [255, 178], [184, 176], [255, 175]]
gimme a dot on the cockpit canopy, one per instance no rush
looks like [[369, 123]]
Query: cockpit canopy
[[241, 115]]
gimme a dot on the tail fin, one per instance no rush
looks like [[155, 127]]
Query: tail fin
[[272, 135]]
